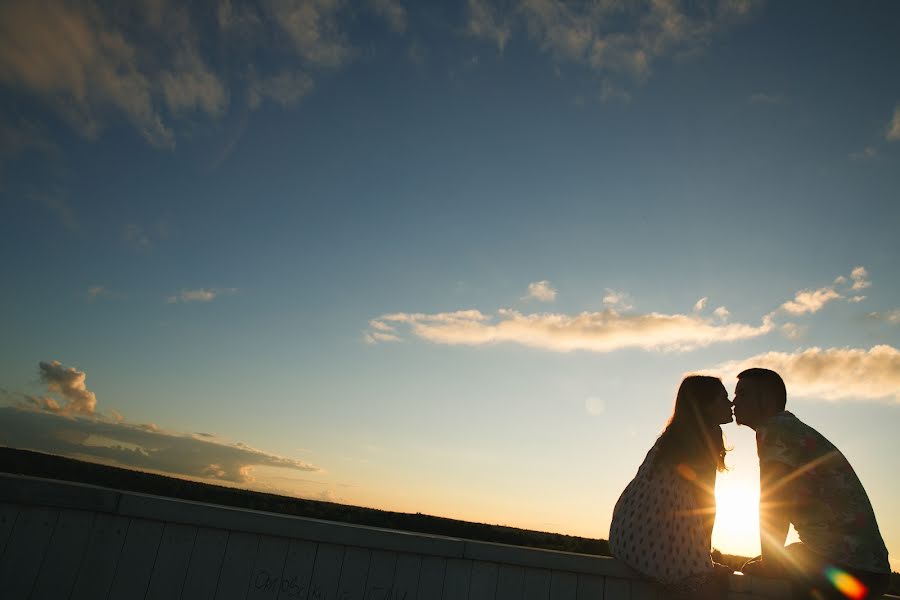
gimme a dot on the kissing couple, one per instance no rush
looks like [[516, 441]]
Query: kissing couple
[[662, 523]]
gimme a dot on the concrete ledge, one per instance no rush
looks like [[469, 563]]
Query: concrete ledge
[[591, 564], [22, 489], [33, 491], [253, 521]]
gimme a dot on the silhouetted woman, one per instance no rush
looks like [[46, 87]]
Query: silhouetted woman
[[662, 523]]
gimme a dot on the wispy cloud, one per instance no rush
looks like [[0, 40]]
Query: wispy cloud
[[92, 63], [190, 85], [97, 292], [892, 133], [792, 331], [891, 316], [373, 337], [541, 291], [700, 304], [485, 21], [77, 63], [200, 295], [603, 331], [620, 41], [867, 153], [285, 89], [830, 373], [312, 28]]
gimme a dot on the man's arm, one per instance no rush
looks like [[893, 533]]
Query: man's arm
[[774, 517]]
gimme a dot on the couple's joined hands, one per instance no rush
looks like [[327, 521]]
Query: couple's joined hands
[[756, 566]]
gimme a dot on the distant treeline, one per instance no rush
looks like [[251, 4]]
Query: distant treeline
[[25, 462], [37, 464]]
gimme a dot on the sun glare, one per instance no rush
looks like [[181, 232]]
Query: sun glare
[[737, 516]]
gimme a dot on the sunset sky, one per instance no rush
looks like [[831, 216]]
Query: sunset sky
[[450, 258]]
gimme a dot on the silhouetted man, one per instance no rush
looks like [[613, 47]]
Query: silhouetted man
[[806, 481]]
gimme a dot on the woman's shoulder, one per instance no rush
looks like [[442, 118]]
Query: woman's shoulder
[[650, 463]]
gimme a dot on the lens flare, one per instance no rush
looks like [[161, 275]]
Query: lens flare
[[846, 583]]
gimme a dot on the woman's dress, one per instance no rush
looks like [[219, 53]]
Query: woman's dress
[[659, 527]]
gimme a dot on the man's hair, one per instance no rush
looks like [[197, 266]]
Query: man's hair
[[773, 382]]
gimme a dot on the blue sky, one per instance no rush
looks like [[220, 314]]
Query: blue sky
[[445, 258]]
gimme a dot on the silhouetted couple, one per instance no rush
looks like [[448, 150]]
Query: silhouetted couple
[[662, 523]]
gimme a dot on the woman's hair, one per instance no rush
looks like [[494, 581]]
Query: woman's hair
[[689, 438]]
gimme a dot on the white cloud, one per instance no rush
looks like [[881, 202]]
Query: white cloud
[[69, 383], [376, 336], [200, 295], [700, 305], [617, 300], [375, 324], [541, 291], [860, 278], [892, 134], [810, 301], [722, 312], [139, 446], [603, 331], [792, 331], [830, 373], [76, 428]]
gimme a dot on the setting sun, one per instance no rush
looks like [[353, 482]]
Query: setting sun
[[737, 516]]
